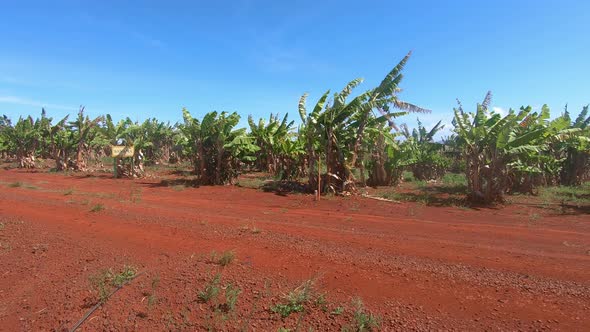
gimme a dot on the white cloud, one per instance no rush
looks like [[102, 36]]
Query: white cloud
[[28, 102], [499, 110]]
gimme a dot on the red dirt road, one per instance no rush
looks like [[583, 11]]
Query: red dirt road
[[417, 267]]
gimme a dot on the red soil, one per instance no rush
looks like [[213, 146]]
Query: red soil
[[417, 267]]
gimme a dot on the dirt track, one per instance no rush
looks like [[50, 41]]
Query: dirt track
[[417, 267]]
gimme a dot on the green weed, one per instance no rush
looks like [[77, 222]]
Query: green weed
[[295, 300], [231, 297], [321, 302], [454, 180], [226, 257], [364, 321], [408, 176], [104, 282], [337, 311], [211, 289], [97, 208], [574, 195]]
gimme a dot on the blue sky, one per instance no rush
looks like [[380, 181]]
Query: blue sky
[[150, 58]]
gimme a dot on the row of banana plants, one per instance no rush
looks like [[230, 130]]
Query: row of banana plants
[[521, 150], [345, 141], [72, 144]]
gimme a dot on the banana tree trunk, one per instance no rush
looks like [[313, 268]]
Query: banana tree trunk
[[202, 165], [218, 160], [80, 166]]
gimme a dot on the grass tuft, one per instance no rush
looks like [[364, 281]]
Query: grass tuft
[[226, 257], [97, 208], [211, 289], [295, 300], [363, 320], [105, 281]]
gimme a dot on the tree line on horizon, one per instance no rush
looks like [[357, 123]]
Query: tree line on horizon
[[342, 143]]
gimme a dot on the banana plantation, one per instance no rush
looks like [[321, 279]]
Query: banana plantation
[[338, 144]]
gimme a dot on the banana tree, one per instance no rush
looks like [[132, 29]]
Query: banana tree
[[336, 130], [428, 161], [24, 140], [85, 131], [271, 138], [5, 132], [496, 148], [575, 150], [388, 158], [281, 151], [216, 148], [62, 144], [291, 158], [155, 140], [128, 133]]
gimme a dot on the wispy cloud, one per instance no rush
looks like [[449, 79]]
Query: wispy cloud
[[499, 110], [33, 103]]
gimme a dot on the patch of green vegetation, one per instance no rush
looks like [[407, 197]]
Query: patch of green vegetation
[[104, 282], [321, 302], [392, 195], [455, 180], [363, 320], [211, 289], [19, 184], [68, 192], [223, 259], [285, 309], [295, 300], [254, 182], [574, 195], [420, 184], [337, 311], [408, 176], [212, 293], [231, 297], [97, 208]]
